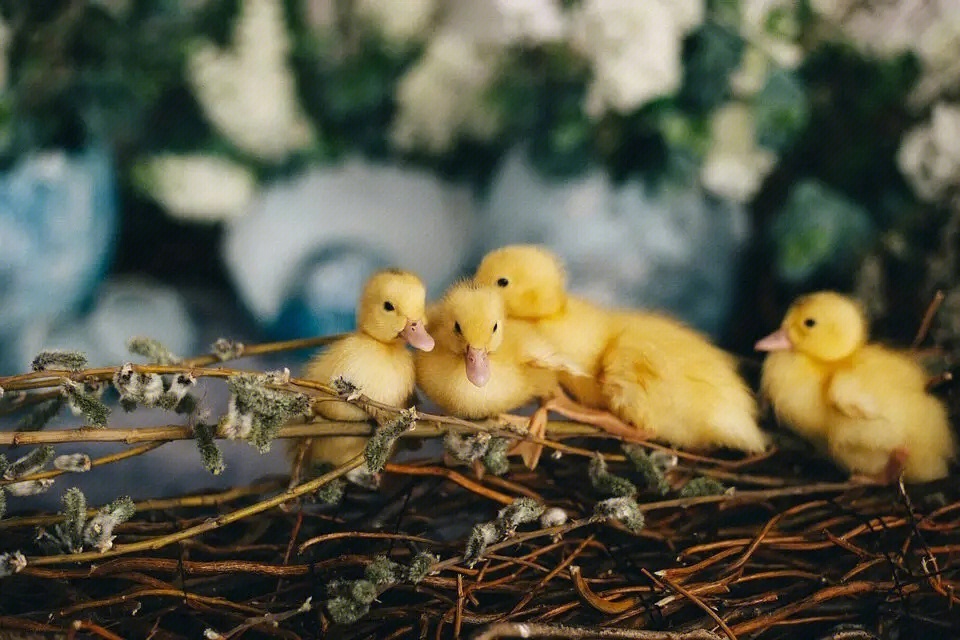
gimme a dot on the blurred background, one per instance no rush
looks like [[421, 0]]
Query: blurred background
[[189, 169]]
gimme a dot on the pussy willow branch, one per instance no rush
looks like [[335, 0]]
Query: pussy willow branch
[[157, 504], [209, 525], [306, 430], [98, 462]]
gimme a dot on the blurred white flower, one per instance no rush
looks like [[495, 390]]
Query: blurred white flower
[[320, 14], [885, 27], [199, 187], [399, 21], [508, 22], [735, 165], [634, 48], [772, 26], [939, 52], [752, 73], [247, 91], [929, 155], [443, 95], [687, 13]]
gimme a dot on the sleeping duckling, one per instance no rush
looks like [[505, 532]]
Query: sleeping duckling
[[374, 358], [867, 405], [660, 377]]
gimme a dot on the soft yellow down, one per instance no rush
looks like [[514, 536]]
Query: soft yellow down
[[866, 404], [651, 371], [518, 362], [374, 358]]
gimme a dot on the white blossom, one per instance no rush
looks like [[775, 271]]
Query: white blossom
[[735, 166], [929, 155], [508, 22], [939, 52], [400, 22], [442, 96], [197, 187], [247, 91], [773, 27], [634, 48], [885, 27]]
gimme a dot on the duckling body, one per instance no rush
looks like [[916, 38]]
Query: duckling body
[[469, 324], [651, 371], [671, 381], [374, 358], [866, 404]]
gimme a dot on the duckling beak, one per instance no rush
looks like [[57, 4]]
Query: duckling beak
[[776, 341], [478, 366], [417, 337]]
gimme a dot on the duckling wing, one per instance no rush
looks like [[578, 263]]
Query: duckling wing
[[849, 395], [537, 351]]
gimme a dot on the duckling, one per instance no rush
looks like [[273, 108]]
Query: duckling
[[390, 315], [660, 378], [865, 404], [479, 368], [485, 365]]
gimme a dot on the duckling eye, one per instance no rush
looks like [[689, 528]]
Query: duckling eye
[[502, 282], [495, 325], [809, 323], [388, 306], [456, 328]]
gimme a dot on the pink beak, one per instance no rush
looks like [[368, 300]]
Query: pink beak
[[417, 337], [478, 366], [776, 341]]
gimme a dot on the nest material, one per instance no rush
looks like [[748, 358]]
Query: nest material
[[774, 562], [783, 548]]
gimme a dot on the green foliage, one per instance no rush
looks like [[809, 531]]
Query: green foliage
[[819, 230], [781, 111], [711, 54]]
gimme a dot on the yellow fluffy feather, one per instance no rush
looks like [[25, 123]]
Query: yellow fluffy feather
[[866, 404], [653, 372], [482, 366], [390, 315]]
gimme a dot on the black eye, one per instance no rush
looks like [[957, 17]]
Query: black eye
[[502, 282], [388, 306], [809, 323], [495, 325], [456, 327]]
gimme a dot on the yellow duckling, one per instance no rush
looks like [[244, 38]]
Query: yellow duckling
[[390, 315], [662, 378], [866, 404], [482, 367]]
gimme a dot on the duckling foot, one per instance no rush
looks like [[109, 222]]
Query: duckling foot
[[891, 472], [604, 420], [534, 426], [531, 451]]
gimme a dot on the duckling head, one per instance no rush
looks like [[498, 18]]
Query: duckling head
[[470, 322], [530, 278], [825, 326], [392, 306]]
